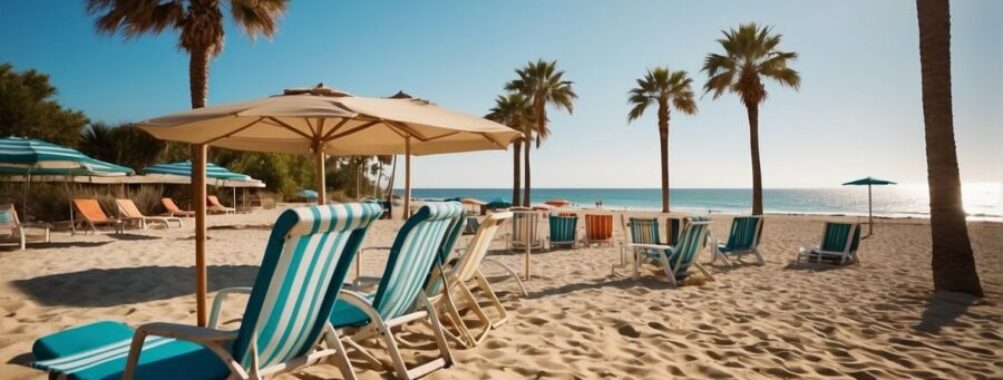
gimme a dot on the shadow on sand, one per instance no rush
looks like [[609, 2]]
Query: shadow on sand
[[942, 309], [118, 286]]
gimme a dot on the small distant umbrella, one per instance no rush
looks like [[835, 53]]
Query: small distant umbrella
[[558, 202], [870, 181], [308, 194]]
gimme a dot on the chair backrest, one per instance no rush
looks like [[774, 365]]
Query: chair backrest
[[690, 242], [840, 237], [644, 231], [127, 208], [465, 267], [745, 232], [306, 260], [563, 229], [598, 227], [524, 226], [8, 218], [674, 230], [90, 210], [169, 205], [213, 201], [412, 256]]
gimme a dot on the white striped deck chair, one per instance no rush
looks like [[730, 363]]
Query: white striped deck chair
[[307, 257], [525, 231], [399, 298], [839, 243]]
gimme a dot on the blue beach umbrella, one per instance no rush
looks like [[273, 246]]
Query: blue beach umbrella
[[499, 203], [308, 194], [870, 181], [184, 169]]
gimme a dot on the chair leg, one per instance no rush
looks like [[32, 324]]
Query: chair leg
[[703, 270], [511, 274], [481, 315], [485, 287], [340, 356]]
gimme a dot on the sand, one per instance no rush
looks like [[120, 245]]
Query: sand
[[877, 319]]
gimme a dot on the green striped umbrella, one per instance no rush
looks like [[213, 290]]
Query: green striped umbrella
[[184, 168], [870, 181]]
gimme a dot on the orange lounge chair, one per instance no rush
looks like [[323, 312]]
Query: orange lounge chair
[[173, 209], [90, 212], [127, 211], [598, 229], [215, 207]]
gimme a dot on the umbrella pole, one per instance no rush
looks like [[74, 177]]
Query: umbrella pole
[[407, 177], [199, 153], [870, 212], [321, 182]]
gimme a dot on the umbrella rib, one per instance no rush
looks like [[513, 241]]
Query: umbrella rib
[[230, 134], [496, 142], [410, 131], [335, 128], [352, 131], [289, 127]]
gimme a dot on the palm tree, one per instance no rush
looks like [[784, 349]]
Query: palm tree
[[953, 260], [668, 89], [515, 111], [544, 85], [750, 54]]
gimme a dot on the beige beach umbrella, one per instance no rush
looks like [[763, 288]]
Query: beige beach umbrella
[[321, 121]]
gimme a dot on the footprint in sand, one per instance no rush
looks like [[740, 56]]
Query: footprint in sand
[[628, 331]]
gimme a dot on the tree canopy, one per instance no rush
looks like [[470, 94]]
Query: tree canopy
[[27, 109]]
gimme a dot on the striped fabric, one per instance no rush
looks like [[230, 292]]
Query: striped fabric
[[563, 229], [21, 156], [644, 231], [525, 228], [690, 243], [184, 168], [598, 227], [418, 244], [80, 362], [836, 236], [307, 258], [673, 229], [744, 233]]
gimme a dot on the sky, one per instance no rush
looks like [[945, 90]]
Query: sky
[[858, 111]]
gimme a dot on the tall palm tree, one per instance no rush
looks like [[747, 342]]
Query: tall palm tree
[[515, 111], [668, 89], [544, 85], [750, 54], [953, 260]]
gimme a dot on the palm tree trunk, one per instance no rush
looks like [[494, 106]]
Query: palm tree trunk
[[953, 260], [526, 188], [757, 173], [198, 83], [663, 134], [516, 172], [390, 182]]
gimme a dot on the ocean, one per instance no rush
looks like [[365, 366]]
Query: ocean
[[982, 201]]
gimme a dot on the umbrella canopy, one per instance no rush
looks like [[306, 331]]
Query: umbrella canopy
[[870, 181], [23, 156], [184, 168], [499, 203], [558, 202], [307, 194]]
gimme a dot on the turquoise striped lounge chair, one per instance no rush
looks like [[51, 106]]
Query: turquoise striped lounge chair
[[637, 231], [399, 298], [839, 243], [743, 240], [307, 256], [462, 275], [563, 230], [676, 260]]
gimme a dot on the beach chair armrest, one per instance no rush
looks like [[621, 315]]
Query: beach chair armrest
[[190, 333], [376, 248], [217, 302]]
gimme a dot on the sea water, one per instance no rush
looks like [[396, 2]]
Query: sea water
[[982, 201]]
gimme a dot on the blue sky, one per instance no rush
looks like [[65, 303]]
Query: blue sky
[[858, 111]]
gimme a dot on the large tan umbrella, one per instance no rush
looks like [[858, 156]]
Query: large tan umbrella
[[323, 121]]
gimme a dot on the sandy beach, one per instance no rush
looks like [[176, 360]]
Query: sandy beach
[[876, 319]]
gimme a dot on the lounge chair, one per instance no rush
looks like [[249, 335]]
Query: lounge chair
[[173, 209], [839, 243], [676, 260], [127, 211], [598, 229], [305, 262], [673, 230], [525, 230], [215, 207], [743, 240], [90, 212], [462, 275], [399, 298], [11, 228], [563, 230]]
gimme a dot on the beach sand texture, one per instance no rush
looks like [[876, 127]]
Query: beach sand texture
[[877, 319]]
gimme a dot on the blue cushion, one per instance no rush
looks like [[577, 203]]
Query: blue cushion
[[5, 217], [162, 358], [345, 314]]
